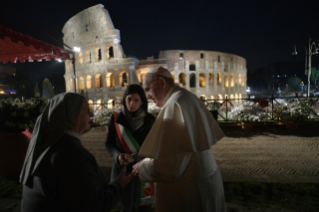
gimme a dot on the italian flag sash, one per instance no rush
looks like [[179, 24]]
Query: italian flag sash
[[131, 146], [128, 141]]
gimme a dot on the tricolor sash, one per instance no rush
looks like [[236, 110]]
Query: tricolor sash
[[127, 140], [131, 146]]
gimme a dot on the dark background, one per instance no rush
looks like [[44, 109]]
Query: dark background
[[263, 32]]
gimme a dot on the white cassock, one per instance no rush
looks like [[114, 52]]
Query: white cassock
[[179, 156]]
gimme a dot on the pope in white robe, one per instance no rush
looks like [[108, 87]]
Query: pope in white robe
[[178, 150]]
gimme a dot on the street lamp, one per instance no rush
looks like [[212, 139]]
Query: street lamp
[[309, 53]]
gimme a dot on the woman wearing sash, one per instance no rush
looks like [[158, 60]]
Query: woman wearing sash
[[127, 132]]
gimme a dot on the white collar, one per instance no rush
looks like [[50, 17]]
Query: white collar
[[73, 134]]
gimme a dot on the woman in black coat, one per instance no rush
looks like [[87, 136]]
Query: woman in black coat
[[59, 174], [127, 132]]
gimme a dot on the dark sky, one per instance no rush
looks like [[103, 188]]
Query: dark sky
[[261, 31]]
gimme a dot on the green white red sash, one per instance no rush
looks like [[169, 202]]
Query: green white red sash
[[131, 146], [128, 141]]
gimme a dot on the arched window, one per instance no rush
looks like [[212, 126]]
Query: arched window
[[110, 80], [182, 79], [239, 79], [111, 104], [226, 85], [124, 79], [202, 80], [211, 77], [192, 80], [142, 78], [88, 56], [231, 96], [109, 53], [219, 78], [99, 105], [71, 85], [98, 54], [81, 83], [98, 81], [89, 82], [243, 82], [173, 75], [91, 106], [80, 58], [232, 83]]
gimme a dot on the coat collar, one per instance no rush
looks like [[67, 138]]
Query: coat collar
[[122, 121]]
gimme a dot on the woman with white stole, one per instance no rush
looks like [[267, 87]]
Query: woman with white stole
[[127, 132]]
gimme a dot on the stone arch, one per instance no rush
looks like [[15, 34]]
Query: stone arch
[[173, 75], [98, 54], [71, 84], [109, 53], [192, 80], [182, 79], [81, 58], [81, 83], [142, 78], [226, 81], [211, 78], [91, 105], [220, 98], [232, 84], [88, 82], [98, 81], [219, 78], [88, 56], [99, 104], [202, 79], [240, 97], [110, 80], [212, 97], [231, 96], [236, 97], [111, 104], [124, 82]]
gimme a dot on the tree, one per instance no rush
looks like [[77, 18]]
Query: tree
[[294, 84], [314, 75]]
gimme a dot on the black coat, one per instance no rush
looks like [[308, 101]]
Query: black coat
[[131, 193], [69, 179]]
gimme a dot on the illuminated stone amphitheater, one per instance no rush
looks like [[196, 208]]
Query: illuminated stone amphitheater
[[103, 71]]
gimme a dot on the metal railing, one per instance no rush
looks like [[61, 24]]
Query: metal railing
[[226, 105]]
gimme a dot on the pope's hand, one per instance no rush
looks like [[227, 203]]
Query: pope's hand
[[136, 168]]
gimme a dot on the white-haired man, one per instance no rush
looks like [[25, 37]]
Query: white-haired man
[[178, 149]]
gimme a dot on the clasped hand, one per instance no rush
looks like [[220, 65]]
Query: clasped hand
[[125, 159]]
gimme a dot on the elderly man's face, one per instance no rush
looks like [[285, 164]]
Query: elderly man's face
[[153, 90]]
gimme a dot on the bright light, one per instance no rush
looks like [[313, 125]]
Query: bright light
[[59, 60], [248, 90], [1, 91], [77, 49]]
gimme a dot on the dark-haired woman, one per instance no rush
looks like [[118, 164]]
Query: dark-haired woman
[[127, 132]]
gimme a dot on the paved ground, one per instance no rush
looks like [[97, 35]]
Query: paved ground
[[268, 153]]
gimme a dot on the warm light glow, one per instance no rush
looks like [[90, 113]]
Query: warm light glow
[[77, 49]]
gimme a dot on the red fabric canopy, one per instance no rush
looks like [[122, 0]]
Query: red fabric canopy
[[15, 46]]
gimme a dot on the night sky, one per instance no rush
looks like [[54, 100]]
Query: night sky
[[263, 32]]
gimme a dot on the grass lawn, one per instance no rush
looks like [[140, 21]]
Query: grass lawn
[[267, 197]]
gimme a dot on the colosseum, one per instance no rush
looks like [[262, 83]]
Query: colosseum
[[103, 71]]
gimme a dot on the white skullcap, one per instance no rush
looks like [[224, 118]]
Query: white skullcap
[[160, 72]]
